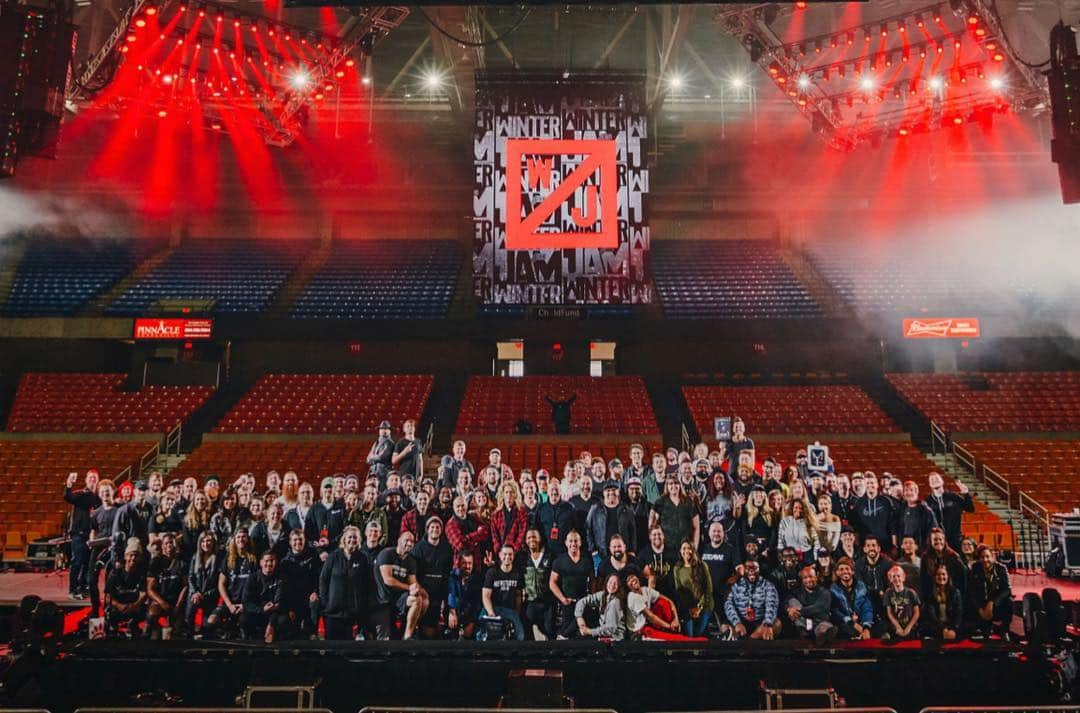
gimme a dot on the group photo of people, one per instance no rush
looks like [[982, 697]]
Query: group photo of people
[[710, 544]]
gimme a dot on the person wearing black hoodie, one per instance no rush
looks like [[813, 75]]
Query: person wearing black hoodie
[[434, 559], [914, 518], [264, 602], [329, 516], [873, 515], [82, 502], [299, 573], [989, 595], [809, 609], [343, 586], [949, 508]]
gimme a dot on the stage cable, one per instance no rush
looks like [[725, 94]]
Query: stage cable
[[525, 12]]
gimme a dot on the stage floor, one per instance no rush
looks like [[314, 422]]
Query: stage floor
[[53, 586]]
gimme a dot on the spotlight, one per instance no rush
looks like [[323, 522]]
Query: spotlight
[[737, 82], [958, 120], [867, 84], [151, 11], [675, 81], [998, 57], [997, 83], [299, 80], [884, 29], [162, 114], [904, 131], [973, 20], [167, 79], [350, 62], [919, 21], [140, 22], [433, 80], [936, 83], [803, 81], [850, 38], [339, 74], [366, 81]]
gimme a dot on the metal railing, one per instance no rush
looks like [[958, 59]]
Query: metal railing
[[937, 435], [172, 440], [219, 709], [149, 458], [305, 695], [800, 710], [685, 438], [1002, 709], [122, 476], [478, 709], [1031, 543], [998, 482], [429, 438]]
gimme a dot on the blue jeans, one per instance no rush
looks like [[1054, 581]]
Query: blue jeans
[[514, 618], [597, 559], [697, 627]]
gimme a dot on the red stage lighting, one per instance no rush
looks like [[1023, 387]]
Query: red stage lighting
[[202, 12], [350, 62], [339, 74], [998, 57], [980, 31], [904, 131], [958, 120], [151, 11], [800, 5], [973, 20], [140, 22], [131, 38], [162, 114]]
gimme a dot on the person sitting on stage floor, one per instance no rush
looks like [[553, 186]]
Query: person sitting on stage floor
[[607, 608], [398, 594], [651, 615], [943, 613], [166, 585], [852, 611], [238, 567], [464, 599], [751, 607], [940, 553], [202, 584], [989, 595], [902, 607], [263, 602], [502, 591], [809, 610], [125, 591]]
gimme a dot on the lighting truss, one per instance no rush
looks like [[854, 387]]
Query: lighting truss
[[929, 67], [219, 64]]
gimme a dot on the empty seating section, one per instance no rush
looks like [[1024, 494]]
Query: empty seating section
[[905, 462], [530, 454], [722, 279], [312, 460], [789, 409], [995, 401], [33, 472], [58, 277], [328, 403], [241, 275], [896, 276], [385, 279], [95, 403], [1045, 470], [611, 404]]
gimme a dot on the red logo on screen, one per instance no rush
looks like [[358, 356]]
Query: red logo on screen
[[146, 328], [595, 209]]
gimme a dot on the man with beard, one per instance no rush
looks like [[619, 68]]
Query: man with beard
[[751, 607], [125, 590], [948, 508], [852, 610], [554, 519], [874, 514], [166, 585], [394, 513], [502, 592], [843, 500], [872, 569], [858, 485], [434, 560], [583, 503], [657, 563], [639, 508], [299, 573], [398, 593], [989, 595], [368, 511], [100, 557], [415, 520], [745, 480], [465, 532], [408, 456], [810, 608], [914, 518], [329, 517], [786, 577], [133, 519], [721, 558], [456, 463], [381, 453], [617, 560], [607, 519]]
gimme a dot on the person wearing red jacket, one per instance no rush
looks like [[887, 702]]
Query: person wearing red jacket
[[466, 533], [510, 520]]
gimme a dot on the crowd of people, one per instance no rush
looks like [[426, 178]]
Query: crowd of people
[[720, 543]]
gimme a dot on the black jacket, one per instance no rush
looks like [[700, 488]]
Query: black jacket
[[299, 573], [309, 527], [596, 528], [329, 522], [203, 579], [874, 576], [986, 587], [954, 610], [553, 522], [260, 540], [342, 584], [82, 502], [261, 590], [916, 521], [948, 508], [874, 517], [132, 521]]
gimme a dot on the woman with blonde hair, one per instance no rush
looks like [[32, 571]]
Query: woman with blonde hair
[[341, 586], [509, 521]]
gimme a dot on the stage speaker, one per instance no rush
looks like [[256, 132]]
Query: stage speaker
[[1031, 609], [1064, 83], [1054, 609]]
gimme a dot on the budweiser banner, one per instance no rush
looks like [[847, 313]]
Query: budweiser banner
[[153, 328], [941, 328], [560, 181]]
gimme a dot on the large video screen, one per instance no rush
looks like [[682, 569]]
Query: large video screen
[[560, 182]]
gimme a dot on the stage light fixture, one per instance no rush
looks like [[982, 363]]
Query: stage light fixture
[[850, 38], [299, 79], [433, 79], [350, 62], [998, 57], [919, 22], [803, 81], [737, 82], [867, 84], [162, 114], [997, 83], [675, 81], [140, 22], [936, 83], [366, 81], [151, 10], [904, 131]]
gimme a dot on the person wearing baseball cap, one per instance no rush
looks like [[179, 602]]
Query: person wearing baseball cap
[[380, 456], [634, 492], [133, 518], [329, 517], [125, 589], [606, 519]]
